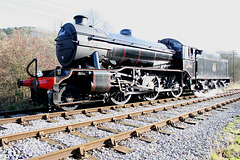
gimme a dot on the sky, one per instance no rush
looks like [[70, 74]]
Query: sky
[[211, 25]]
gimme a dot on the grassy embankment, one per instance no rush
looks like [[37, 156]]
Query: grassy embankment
[[229, 137]]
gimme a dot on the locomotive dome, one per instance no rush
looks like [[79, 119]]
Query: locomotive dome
[[126, 32]]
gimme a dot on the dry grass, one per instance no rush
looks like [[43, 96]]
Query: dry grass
[[235, 85], [231, 137]]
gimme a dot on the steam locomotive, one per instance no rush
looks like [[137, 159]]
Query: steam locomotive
[[107, 67]]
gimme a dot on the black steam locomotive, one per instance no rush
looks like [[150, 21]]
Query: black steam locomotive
[[101, 66]]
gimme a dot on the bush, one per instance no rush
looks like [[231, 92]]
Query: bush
[[18, 46]]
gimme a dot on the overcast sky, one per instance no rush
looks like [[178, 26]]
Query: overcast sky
[[206, 24]]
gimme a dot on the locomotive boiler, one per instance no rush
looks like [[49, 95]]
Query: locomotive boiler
[[77, 45], [107, 67]]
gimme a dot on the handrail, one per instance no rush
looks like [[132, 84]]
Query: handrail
[[34, 60]]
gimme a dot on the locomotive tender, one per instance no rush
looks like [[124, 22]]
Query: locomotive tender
[[101, 66]]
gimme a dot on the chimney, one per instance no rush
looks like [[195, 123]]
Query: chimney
[[81, 20]]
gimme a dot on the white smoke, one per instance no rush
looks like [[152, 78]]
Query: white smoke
[[209, 93]]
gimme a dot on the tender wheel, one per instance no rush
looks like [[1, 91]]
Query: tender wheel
[[69, 94], [118, 97], [176, 88], [152, 82]]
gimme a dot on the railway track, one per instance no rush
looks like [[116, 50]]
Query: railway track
[[34, 111], [66, 114], [87, 111], [129, 120], [45, 111]]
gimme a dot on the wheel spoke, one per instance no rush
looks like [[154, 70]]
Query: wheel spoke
[[118, 98], [68, 94], [151, 81], [115, 95], [176, 86]]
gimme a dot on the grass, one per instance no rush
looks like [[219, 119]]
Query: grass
[[231, 137], [20, 105]]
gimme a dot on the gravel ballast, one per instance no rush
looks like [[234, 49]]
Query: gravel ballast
[[194, 142]]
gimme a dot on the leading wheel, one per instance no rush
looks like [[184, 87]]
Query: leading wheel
[[69, 93]]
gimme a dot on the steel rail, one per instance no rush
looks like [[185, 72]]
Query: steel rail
[[7, 114], [4, 140], [66, 114], [81, 150]]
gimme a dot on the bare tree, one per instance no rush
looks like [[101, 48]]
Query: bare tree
[[96, 20]]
